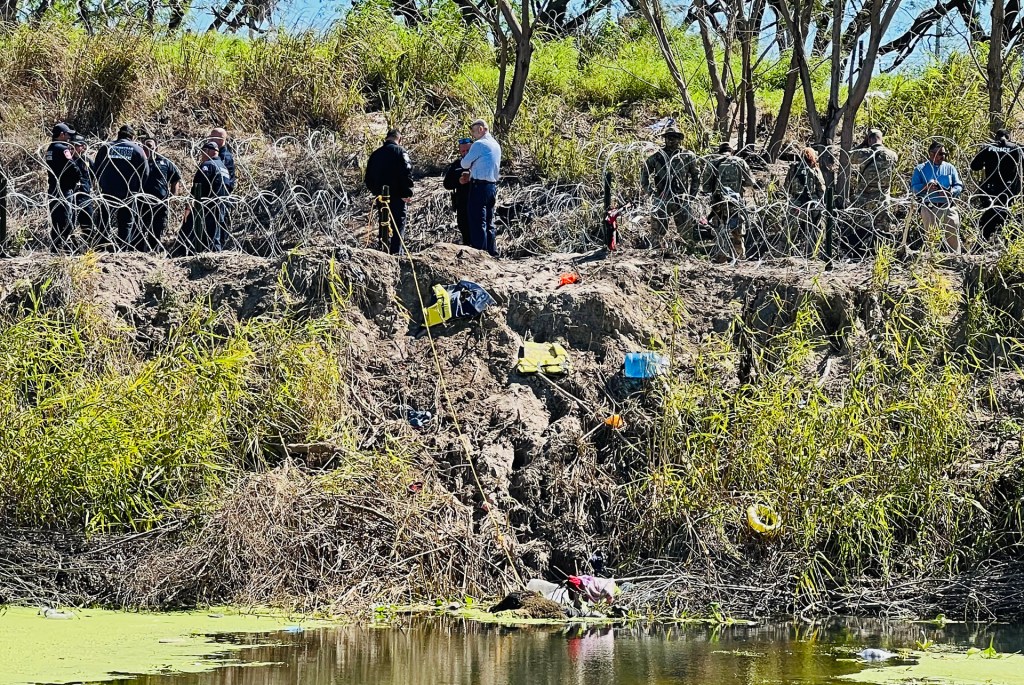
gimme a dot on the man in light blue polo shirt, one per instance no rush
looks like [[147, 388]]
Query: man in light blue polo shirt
[[482, 162], [937, 183]]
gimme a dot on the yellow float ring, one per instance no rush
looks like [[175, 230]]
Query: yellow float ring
[[763, 519]]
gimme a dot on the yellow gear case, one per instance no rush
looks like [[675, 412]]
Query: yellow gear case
[[441, 311]]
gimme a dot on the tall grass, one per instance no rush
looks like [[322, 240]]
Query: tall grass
[[873, 470], [95, 432]]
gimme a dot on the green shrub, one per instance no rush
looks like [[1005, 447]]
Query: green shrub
[[94, 433]]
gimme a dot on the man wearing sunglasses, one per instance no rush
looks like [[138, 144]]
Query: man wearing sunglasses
[[937, 183], [455, 181]]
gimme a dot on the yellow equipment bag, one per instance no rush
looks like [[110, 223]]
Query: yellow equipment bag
[[551, 359], [441, 310]]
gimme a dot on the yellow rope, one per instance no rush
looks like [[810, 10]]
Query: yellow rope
[[463, 440]]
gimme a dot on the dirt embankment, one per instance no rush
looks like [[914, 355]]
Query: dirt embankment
[[525, 456]]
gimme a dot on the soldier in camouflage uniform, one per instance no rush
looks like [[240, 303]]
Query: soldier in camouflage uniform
[[725, 177], [871, 170], [671, 176], [805, 186]]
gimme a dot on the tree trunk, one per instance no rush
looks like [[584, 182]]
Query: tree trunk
[[408, 10], [752, 28], [789, 90], [223, 16], [178, 9], [994, 67], [879, 24], [9, 11], [785, 111], [722, 97], [653, 13], [802, 67], [522, 32]]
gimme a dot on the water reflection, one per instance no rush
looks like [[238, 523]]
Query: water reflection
[[451, 652]]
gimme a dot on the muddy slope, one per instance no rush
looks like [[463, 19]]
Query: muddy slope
[[533, 453]]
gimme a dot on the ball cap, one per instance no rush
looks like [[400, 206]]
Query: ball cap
[[78, 139], [126, 131], [726, 147], [210, 145], [465, 141], [61, 128], [672, 132]]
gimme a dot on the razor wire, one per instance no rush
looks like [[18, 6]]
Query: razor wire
[[294, 192]]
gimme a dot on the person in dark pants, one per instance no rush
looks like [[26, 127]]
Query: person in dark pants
[[1001, 163], [482, 164], [62, 180], [459, 185], [164, 180], [204, 228], [84, 206], [227, 155], [389, 166], [122, 168]]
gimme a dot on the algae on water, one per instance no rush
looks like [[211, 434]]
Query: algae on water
[[95, 644], [948, 669]]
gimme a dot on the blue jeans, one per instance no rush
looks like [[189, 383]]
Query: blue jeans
[[482, 197]]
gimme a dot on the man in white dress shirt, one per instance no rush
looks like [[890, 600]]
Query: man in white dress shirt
[[482, 164]]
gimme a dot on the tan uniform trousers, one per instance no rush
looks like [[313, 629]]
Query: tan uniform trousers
[[944, 221]]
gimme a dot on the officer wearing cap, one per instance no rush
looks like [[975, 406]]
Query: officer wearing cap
[[84, 206], [164, 180], [871, 170], [672, 177], [455, 181], [389, 167], [483, 168], [205, 224], [122, 168], [62, 178]]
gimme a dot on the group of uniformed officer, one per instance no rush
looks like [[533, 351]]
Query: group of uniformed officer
[[134, 183], [673, 176]]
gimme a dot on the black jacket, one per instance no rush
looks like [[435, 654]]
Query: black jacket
[[86, 172], [163, 174], [64, 174], [389, 165], [213, 178], [1002, 167], [227, 156], [460, 196], [122, 168]]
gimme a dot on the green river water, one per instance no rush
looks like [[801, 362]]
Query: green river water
[[217, 649]]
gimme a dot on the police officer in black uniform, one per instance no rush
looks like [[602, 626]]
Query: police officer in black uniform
[[164, 180], [459, 185], [84, 206], [204, 227], [1000, 161], [122, 168], [389, 166], [61, 181]]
